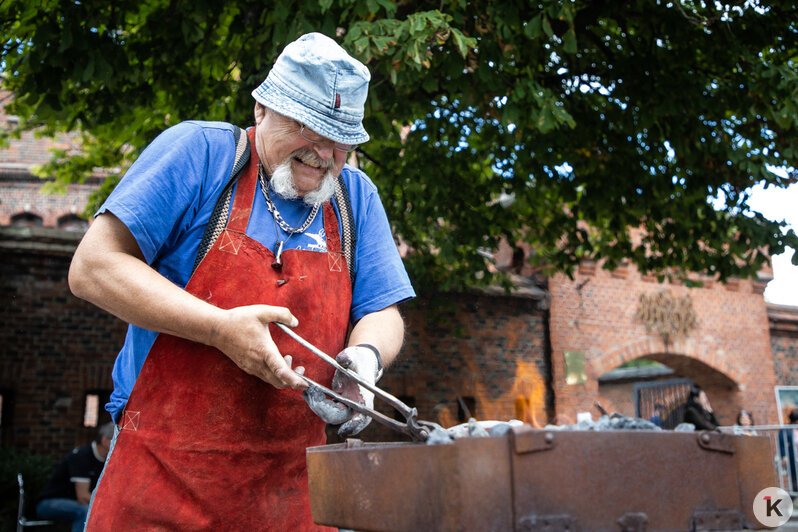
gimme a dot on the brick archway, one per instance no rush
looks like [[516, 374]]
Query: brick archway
[[645, 347]]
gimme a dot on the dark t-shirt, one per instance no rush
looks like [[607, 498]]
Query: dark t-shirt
[[81, 465]]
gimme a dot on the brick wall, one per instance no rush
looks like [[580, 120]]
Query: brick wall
[[784, 343], [22, 190], [728, 352], [55, 347], [489, 348], [23, 193]]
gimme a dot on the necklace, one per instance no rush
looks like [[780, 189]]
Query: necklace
[[278, 220]]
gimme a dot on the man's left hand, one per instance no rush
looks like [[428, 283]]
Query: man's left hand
[[362, 361]]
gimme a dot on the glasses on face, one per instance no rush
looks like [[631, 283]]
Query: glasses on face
[[308, 134]]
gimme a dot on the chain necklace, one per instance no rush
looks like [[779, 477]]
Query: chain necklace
[[278, 220]]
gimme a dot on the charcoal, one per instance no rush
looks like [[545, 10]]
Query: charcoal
[[439, 436], [475, 430], [500, 429], [612, 422], [481, 429]]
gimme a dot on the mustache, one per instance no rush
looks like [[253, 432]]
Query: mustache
[[310, 157]]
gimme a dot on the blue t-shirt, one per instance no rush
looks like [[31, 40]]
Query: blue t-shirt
[[166, 198]]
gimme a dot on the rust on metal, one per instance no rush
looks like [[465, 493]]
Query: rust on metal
[[716, 441], [717, 520], [533, 441], [543, 480]]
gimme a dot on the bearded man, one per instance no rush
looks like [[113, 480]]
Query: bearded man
[[212, 235]]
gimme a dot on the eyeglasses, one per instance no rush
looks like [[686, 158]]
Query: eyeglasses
[[308, 134]]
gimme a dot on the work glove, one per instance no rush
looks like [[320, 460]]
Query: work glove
[[366, 362]]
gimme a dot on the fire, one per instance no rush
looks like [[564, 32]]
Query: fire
[[529, 391], [525, 400]]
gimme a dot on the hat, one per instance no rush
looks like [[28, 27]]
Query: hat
[[315, 82]]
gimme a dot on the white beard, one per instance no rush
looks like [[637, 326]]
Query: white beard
[[282, 182]]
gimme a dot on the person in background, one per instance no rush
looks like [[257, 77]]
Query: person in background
[[67, 495], [787, 439], [659, 414], [698, 410], [745, 420]]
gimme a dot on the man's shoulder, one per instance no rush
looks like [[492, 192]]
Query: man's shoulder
[[191, 135], [204, 124], [210, 130], [357, 181], [83, 450]]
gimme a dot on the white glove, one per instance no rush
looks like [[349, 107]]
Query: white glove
[[365, 362]]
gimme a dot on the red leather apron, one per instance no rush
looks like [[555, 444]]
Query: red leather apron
[[205, 446]]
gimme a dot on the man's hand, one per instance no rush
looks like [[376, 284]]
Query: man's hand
[[242, 334], [362, 361]]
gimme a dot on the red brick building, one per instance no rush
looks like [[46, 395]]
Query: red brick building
[[552, 349]]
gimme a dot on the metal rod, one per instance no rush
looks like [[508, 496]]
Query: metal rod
[[405, 410], [354, 405]]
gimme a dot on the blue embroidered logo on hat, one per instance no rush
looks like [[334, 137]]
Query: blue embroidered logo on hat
[[315, 82]]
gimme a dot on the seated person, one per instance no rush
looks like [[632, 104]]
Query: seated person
[[67, 495]]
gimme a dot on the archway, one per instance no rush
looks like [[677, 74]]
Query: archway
[[638, 386]]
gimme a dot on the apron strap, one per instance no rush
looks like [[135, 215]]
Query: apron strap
[[221, 210], [245, 193], [348, 233]]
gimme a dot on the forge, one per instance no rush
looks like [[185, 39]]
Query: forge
[[532, 479]]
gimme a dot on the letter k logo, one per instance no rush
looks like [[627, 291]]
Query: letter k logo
[[772, 506]]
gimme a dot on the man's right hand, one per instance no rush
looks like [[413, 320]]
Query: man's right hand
[[242, 333], [109, 270]]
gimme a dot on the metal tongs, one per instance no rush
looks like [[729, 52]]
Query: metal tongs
[[417, 429]]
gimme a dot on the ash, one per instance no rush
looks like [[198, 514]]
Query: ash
[[483, 429], [610, 422], [472, 429]]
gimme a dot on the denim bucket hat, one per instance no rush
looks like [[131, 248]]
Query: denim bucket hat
[[315, 82]]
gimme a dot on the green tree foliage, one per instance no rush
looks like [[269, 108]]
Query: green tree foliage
[[594, 116]]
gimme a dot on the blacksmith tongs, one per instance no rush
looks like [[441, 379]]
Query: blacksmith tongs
[[417, 429]]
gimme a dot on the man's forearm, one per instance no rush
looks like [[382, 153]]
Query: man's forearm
[[82, 493], [383, 329], [109, 271]]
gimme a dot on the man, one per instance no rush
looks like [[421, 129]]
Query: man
[[213, 427], [66, 495]]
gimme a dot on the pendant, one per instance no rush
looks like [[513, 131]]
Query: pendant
[[277, 264]]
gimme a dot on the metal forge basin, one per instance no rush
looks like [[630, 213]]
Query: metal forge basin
[[532, 479]]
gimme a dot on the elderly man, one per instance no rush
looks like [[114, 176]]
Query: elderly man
[[200, 257]]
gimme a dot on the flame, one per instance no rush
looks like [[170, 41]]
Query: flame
[[445, 417], [529, 391], [525, 400]]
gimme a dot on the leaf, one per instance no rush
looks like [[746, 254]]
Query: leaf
[[460, 42], [546, 24], [532, 28], [569, 41]]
